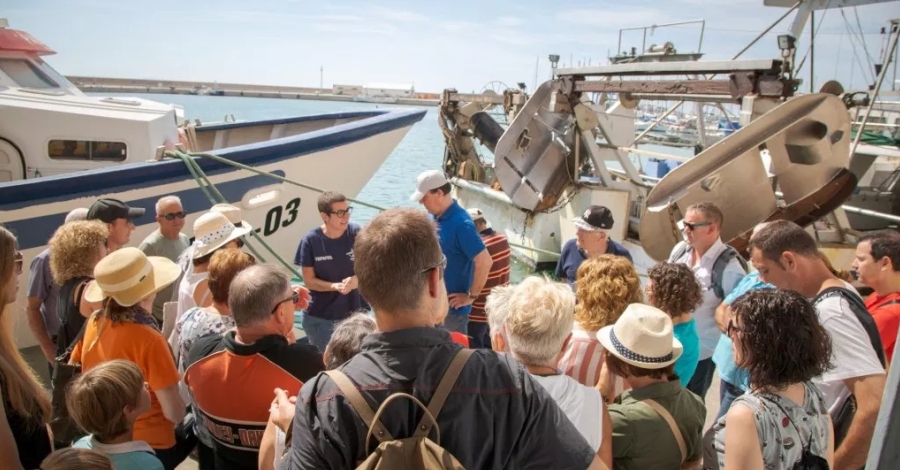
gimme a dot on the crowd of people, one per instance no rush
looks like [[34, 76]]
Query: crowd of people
[[415, 337]]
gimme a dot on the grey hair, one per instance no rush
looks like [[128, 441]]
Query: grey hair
[[541, 316], [77, 214], [166, 200], [346, 341], [496, 307], [254, 292]]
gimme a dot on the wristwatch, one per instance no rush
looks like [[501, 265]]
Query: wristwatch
[[473, 297]]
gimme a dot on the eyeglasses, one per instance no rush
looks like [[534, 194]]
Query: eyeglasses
[[342, 212], [731, 329], [171, 216], [695, 225], [442, 265], [19, 262], [294, 298]]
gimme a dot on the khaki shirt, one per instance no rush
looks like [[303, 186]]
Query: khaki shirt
[[642, 439]]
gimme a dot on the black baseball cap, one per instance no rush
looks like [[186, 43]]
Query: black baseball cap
[[594, 218], [108, 210]]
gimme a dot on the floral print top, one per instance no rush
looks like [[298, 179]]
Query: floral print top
[[196, 323]]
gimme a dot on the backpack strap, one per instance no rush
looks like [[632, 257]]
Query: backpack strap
[[360, 405], [428, 416], [862, 315], [443, 391], [671, 422], [680, 249], [718, 269]]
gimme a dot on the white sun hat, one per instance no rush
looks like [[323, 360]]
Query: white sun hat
[[643, 337], [213, 230]]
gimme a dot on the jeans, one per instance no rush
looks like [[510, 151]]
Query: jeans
[[318, 330], [702, 379], [480, 335], [458, 323], [727, 394]]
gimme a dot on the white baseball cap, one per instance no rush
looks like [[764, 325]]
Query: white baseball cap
[[428, 181]]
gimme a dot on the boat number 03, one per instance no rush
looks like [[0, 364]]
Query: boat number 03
[[276, 214]]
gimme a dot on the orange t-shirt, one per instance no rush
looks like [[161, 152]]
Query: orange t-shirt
[[887, 318], [146, 347]]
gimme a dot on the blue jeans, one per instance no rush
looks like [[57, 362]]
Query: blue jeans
[[727, 394], [702, 379], [480, 335], [318, 330], [458, 323]]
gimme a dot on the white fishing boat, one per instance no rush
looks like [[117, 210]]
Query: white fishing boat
[[61, 149], [794, 157]]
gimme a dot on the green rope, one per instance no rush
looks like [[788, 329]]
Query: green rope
[[216, 197], [187, 158]]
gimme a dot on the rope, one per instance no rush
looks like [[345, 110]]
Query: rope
[[215, 197]]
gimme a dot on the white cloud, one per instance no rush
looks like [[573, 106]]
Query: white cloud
[[612, 18], [458, 25], [510, 21], [357, 28], [405, 16]]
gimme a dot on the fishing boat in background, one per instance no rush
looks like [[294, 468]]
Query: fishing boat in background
[[61, 149]]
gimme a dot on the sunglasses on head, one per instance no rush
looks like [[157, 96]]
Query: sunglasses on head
[[342, 212], [695, 225], [171, 216], [442, 265], [294, 298]]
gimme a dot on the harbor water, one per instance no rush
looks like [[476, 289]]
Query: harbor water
[[422, 148]]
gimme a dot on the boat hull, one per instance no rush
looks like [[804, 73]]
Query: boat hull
[[280, 212]]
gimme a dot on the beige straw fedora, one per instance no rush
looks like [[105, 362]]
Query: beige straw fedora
[[213, 230], [129, 276], [232, 213], [642, 337]]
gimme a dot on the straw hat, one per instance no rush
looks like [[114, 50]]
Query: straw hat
[[232, 213], [213, 230], [129, 276], [642, 337]]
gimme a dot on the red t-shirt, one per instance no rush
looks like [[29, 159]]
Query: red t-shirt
[[887, 318]]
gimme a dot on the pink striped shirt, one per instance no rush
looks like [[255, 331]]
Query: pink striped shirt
[[582, 360]]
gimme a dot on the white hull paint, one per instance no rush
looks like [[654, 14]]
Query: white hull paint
[[346, 168]]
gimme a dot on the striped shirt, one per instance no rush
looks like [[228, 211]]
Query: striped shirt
[[582, 359], [498, 248]]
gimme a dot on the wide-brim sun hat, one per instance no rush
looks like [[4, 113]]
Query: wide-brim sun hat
[[643, 337], [232, 213], [213, 230], [129, 276]]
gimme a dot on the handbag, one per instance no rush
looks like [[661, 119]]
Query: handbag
[[63, 427]]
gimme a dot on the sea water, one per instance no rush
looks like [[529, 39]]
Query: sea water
[[422, 148]]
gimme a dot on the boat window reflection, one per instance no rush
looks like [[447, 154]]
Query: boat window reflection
[[87, 150], [25, 74]]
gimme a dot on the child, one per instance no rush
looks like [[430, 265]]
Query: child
[[105, 402], [77, 459]]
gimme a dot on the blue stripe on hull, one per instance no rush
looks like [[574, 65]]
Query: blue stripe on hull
[[36, 232], [120, 178]]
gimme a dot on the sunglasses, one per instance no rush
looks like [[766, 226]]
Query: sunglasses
[[294, 298], [695, 225], [731, 329], [342, 212], [19, 262], [442, 265], [171, 216]]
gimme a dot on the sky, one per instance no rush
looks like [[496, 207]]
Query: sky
[[462, 44]]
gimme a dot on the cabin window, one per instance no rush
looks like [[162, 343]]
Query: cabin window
[[25, 74], [87, 150]]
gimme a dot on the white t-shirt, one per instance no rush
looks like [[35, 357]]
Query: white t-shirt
[[581, 404], [852, 352]]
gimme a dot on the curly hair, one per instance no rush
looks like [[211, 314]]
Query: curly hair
[[675, 289], [605, 285], [781, 339], [71, 246]]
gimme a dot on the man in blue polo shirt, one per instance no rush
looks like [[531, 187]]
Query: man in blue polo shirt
[[468, 261], [590, 240]]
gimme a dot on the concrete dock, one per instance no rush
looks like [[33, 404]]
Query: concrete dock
[[175, 87]]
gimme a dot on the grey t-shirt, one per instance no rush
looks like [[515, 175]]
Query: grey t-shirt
[[157, 245]]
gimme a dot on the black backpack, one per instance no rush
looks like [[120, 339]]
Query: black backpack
[[719, 265]]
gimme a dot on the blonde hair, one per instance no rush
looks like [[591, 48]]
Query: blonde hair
[[842, 274], [74, 458], [496, 307], [540, 318], [97, 399], [20, 385], [71, 248], [605, 285]]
